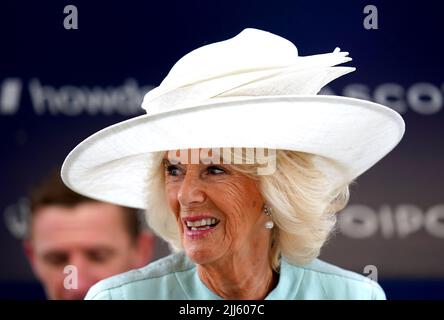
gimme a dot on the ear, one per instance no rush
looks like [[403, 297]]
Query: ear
[[145, 248], [29, 251]]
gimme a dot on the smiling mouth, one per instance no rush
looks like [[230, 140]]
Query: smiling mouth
[[201, 224]]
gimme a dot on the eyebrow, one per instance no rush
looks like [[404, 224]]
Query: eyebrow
[[61, 252], [102, 249], [53, 253], [165, 159], [167, 162]]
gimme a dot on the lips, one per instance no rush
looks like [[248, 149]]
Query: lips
[[198, 226]]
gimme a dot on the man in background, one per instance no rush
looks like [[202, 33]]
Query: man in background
[[73, 236]]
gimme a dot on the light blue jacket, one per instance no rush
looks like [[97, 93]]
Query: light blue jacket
[[176, 277]]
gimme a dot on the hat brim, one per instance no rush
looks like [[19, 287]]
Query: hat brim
[[112, 164]]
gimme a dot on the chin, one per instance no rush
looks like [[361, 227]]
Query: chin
[[200, 255]]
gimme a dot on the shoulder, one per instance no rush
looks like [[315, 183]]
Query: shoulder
[[322, 280], [148, 282]]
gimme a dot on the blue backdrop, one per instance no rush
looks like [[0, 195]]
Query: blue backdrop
[[58, 86]]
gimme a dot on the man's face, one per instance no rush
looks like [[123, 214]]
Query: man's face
[[91, 236]]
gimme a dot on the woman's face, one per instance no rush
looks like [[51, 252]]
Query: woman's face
[[218, 210]]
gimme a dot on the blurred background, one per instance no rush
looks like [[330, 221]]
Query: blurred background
[[58, 86]]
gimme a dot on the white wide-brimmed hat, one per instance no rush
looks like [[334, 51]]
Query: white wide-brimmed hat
[[251, 91]]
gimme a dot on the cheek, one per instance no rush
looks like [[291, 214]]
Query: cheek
[[171, 192], [228, 195], [50, 275], [240, 201]]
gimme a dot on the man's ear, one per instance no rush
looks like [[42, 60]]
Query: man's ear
[[145, 248], [29, 251]]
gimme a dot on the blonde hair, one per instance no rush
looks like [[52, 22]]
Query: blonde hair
[[305, 192]]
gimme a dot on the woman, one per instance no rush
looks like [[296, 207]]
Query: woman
[[241, 167]]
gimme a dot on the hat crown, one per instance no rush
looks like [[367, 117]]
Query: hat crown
[[253, 63], [250, 50]]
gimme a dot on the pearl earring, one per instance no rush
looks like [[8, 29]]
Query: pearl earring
[[269, 224], [267, 211]]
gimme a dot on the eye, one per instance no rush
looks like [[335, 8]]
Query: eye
[[214, 170], [172, 170], [56, 258], [100, 255]]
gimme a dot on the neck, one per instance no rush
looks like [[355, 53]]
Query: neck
[[239, 278]]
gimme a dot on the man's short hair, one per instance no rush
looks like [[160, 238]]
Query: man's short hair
[[52, 191]]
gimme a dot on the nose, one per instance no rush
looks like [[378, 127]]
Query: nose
[[191, 191]]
